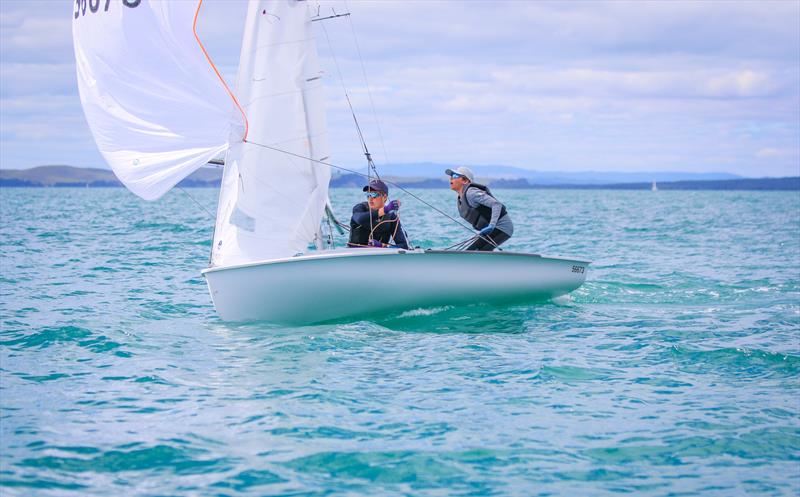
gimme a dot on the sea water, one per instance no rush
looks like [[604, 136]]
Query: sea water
[[675, 370]]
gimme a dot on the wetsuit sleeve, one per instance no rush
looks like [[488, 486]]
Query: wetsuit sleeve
[[361, 214], [400, 236], [476, 196]]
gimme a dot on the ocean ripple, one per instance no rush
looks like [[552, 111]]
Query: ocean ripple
[[673, 371]]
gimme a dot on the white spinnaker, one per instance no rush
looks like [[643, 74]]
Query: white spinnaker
[[156, 107], [271, 203]]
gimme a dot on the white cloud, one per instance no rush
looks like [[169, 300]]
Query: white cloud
[[768, 153], [604, 85], [18, 78], [37, 30]]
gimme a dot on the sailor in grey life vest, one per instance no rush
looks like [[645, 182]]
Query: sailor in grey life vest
[[478, 207]]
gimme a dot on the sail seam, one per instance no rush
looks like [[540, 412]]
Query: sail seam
[[292, 140], [291, 42], [278, 94], [211, 62]]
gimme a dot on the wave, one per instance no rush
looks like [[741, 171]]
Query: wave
[[742, 361], [162, 227], [574, 373], [179, 460], [775, 444], [48, 337], [382, 467], [424, 312], [683, 290]]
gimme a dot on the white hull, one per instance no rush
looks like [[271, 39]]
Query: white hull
[[352, 283]]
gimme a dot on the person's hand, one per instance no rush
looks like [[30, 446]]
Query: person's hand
[[394, 205], [485, 231], [374, 243]]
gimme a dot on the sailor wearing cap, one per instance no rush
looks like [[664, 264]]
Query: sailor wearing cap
[[375, 222], [478, 207]]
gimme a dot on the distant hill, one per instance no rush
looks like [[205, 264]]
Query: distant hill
[[792, 183], [58, 176], [766, 184], [487, 173], [209, 177], [69, 176]]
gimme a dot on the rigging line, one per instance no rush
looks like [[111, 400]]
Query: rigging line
[[315, 19], [405, 233], [370, 165], [464, 244], [330, 232], [208, 57], [460, 245], [372, 232], [366, 176], [198, 203], [369, 92], [330, 216], [347, 97]]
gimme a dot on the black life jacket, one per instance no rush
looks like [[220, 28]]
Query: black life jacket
[[359, 235], [480, 215]]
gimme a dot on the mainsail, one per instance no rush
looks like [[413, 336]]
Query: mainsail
[[154, 103], [271, 202]]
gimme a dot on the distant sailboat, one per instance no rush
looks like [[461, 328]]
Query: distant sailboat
[[159, 110], [654, 187]]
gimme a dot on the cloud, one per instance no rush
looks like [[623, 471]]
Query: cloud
[[21, 79], [45, 129], [35, 30], [574, 85], [768, 153], [499, 30], [679, 82]]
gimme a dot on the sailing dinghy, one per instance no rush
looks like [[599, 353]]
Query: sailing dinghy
[[158, 110]]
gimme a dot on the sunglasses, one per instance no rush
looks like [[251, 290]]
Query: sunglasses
[[456, 175], [374, 194]]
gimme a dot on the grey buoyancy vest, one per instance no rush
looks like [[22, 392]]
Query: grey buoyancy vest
[[480, 215]]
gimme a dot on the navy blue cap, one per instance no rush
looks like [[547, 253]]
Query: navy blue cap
[[377, 185]]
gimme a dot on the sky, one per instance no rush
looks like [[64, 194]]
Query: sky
[[691, 86]]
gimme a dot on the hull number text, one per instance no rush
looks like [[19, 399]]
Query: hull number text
[[94, 5]]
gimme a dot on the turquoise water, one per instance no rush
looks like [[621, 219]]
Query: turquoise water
[[675, 370]]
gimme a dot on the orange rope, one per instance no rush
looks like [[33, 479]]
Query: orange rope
[[194, 29], [397, 225]]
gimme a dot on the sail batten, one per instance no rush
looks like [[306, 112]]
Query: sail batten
[[155, 104]]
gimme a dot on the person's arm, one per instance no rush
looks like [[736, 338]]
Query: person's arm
[[476, 196], [361, 214], [400, 236]]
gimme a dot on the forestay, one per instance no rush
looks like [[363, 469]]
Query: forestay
[[154, 103], [271, 203]]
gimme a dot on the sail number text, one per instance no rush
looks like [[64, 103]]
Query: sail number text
[[94, 5]]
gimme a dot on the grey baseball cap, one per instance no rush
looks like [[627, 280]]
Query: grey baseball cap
[[463, 171]]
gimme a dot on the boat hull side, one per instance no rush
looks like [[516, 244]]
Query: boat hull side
[[307, 290]]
